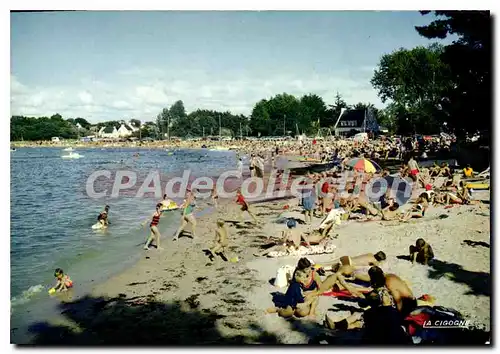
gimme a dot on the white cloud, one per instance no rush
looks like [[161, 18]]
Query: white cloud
[[85, 97], [143, 93]]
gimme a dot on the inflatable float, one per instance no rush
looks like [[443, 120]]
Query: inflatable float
[[478, 186], [171, 206], [98, 226]]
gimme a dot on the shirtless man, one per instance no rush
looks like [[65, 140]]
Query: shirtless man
[[399, 290], [414, 170]]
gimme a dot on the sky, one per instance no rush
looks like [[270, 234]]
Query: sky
[[121, 65]]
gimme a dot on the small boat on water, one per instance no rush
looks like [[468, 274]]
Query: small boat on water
[[68, 149], [12, 149], [72, 155], [219, 148]]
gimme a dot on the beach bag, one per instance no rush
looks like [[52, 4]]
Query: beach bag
[[283, 276]]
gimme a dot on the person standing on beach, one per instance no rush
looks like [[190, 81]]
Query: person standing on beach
[[214, 196], [414, 170], [252, 165], [155, 233], [187, 216], [240, 167], [308, 199]]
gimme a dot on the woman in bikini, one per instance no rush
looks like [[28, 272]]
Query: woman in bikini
[[155, 233]]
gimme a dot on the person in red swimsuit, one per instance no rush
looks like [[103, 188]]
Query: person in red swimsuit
[[155, 233], [240, 199]]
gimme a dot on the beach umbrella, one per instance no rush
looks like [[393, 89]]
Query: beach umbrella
[[363, 165]]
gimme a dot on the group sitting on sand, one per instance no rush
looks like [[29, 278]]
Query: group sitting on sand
[[383, 297]]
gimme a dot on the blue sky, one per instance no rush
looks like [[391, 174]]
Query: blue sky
[[116, 65]]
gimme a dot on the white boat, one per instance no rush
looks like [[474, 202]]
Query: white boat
[[219, 148], [12, 149], [68, 149], [72, 155]]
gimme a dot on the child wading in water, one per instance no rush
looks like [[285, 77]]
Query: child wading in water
[[155, 233], [63, 281], [220, 243]]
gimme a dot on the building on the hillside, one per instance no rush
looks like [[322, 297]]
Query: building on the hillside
[[353, 121]]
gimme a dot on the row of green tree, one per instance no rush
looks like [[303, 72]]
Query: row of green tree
[[44, 128], [428, 88], [283, 114]]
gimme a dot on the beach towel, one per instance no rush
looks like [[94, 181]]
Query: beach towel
[[341, 293], [334, 216], [327, 247], [283, 276]]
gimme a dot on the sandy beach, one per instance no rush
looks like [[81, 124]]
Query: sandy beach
[[178, 296]]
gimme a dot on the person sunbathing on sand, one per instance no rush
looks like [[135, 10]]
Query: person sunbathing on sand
[[363, 260], [295, 301], [392, 212], [317, 236], [289, 238], [380, 297], [419, 207], [399, 290], [337, 282]]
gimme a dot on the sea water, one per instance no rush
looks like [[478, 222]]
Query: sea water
[[51, 219]]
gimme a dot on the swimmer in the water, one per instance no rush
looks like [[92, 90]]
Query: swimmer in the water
[[103, 217]]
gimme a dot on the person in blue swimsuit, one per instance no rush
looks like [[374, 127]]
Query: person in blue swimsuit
[[295, 303]]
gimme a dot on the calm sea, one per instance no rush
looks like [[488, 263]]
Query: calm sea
[[51, 218]]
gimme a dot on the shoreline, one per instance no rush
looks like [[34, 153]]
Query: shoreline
[[178, 292]]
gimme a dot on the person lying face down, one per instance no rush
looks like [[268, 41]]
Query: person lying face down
[[422, 252], [366, 259]]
